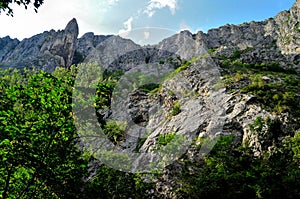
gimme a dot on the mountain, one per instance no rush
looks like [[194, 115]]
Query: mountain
[[45, 51], [273, 39], [240, 80]]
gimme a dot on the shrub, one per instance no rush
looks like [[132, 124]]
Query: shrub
[[236, 54], [114, 130], [78, 57], [176, 109], [211, 50], [164, 139], [150, 88]]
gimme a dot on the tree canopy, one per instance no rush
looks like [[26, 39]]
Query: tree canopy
[[40, 152], [5, 5]]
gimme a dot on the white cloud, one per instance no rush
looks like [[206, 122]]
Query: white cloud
[[105, 5], [184, 26], [159, 4], [112, 2], [128, 26]]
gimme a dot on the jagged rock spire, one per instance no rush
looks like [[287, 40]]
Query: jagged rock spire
[[72, 27]]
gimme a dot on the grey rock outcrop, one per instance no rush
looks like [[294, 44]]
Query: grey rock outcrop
[[6, 46], [88, 42], [110, 50], [44, 51], [184, 44], [288, 30], [273, 39], [61, 45]]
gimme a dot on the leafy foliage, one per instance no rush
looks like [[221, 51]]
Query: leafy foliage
[[176, 109], [39, 148], [279, 96], [275, 87], [114, 130], [40, 156], [232, 171], [109, 183], [78, 57], [150, 88], [164, 139], [5, 5]]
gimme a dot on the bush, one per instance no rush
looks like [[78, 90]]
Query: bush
[[39, 156], [236, 54], [231, 171], [164, 139], [114, 130], [176, 109], [78, 57]]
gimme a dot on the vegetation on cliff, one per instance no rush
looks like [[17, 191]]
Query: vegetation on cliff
[[41, 156]]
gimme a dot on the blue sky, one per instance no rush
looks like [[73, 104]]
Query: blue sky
[[119, 16]]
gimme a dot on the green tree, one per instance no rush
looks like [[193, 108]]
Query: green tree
[[39, 156], [110, 183], [232, 171], [40, 153]]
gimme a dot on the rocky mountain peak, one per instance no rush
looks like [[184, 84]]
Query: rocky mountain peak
[[273, 39], [44, 51], [6, 44], [184, 44], [72, 27], [110, 49]]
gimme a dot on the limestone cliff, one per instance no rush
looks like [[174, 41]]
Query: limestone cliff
[[45, 51], [273, 39], [288, 30]]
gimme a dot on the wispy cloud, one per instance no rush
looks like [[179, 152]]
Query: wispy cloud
[[112, 2], [106, 5], [128, 27], [184, 26], [153, 5]]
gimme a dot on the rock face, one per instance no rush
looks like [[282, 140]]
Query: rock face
[[110, 49], [61, 45], [45, 51], [273, 39], [88, 42], [184, 44], [288, 30], [6, 45]]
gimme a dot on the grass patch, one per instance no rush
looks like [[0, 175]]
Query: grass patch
[[275, 87], [150, 88]]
